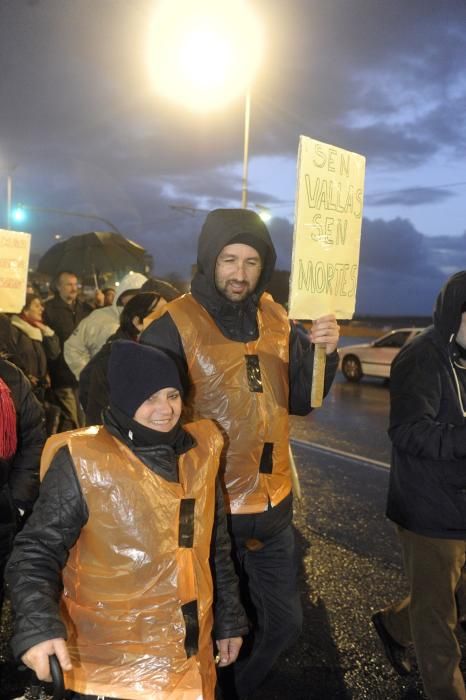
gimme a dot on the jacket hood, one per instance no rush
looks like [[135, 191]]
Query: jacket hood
[[447, 309], [220, 228], [133, 280], [237, 320]]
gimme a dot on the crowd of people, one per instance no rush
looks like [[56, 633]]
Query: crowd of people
[[156, 558]]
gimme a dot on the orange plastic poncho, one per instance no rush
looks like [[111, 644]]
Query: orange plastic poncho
[[254, 421], [137, 593]]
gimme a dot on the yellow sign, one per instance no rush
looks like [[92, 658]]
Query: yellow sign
[[14, 263], [327, 233]]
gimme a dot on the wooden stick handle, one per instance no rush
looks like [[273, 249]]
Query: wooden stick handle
[[318, 376], [296, 484]]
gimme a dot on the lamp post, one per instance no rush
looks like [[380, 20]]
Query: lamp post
[[247, 121], [8, 170]]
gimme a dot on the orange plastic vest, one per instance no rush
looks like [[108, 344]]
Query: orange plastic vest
[[226, 388], [137, 600]]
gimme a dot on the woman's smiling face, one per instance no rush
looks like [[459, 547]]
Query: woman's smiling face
[[161, 411]]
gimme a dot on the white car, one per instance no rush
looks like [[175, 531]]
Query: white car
[[374, 359]]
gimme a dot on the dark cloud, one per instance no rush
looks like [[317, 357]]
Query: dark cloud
[[411, 196], [361, 59], [391, 245], [401, 270], [392, 293], [457, 244]]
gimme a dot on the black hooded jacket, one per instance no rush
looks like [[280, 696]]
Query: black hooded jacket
[[427, 489], [238, 320]]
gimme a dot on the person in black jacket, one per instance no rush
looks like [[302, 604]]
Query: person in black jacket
[[249, 367], [63, 313], [22, 437], [116, 555], [35, 344], [426, 495]]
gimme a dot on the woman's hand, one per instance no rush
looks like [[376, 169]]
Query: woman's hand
[[37, 657], [228, 650]]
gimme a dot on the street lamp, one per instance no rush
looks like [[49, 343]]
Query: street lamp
[[264, 213], [205, 54], [19, 214]]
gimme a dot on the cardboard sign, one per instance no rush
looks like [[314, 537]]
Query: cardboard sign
[[327, 232], [14, 264]]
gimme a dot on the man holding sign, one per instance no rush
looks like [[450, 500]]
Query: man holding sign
[[248, 369]]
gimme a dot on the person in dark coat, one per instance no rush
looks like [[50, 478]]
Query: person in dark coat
[[35, 344], [426, 495], [116, 557], [63, 313], [93, 382], [22, 437], [249, 367]]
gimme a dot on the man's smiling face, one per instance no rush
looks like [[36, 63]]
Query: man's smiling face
[[237, 271]]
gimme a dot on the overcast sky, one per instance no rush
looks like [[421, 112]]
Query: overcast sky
[[82, 129]]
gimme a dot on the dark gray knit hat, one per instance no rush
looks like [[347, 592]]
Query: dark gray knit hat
[[136, 371]]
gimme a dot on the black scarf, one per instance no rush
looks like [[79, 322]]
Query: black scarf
[[140, 436]]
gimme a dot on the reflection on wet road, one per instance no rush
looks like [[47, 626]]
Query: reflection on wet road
[[353, 418]]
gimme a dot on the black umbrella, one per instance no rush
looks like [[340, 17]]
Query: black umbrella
[[93, 254]]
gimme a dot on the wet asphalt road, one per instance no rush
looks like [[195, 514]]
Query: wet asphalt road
[[350, 559]]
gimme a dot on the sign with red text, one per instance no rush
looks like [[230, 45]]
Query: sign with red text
[[327, 231], [14, 264]]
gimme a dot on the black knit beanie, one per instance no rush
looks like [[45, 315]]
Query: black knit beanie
[[136, 371]]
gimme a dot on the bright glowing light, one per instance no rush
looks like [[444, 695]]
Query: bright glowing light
[[263, 212], [204, 53], [265, 216], [19, 215]]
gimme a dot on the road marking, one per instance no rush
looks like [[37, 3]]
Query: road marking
[[340, 453]]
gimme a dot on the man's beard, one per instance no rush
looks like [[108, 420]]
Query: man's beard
[[233, 294]]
